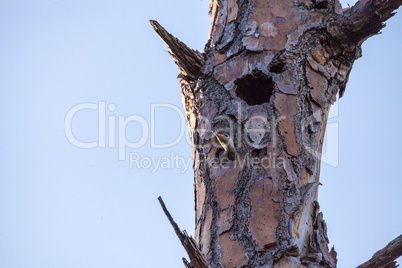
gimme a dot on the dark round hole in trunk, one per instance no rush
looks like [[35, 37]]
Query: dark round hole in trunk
[[255, 88]]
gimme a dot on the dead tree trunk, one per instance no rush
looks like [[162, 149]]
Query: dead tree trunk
[[257, 103]]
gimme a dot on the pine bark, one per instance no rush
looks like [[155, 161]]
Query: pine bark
[[267, 79]]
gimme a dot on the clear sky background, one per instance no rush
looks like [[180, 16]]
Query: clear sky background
[[62, 206]]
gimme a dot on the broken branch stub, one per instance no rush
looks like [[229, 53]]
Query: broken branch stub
[[366, 18], [195, 255], [385, 258], [188, 60]]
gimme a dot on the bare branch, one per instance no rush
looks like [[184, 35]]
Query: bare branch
[[196, 257], [385, 257], [188, 60], [366, 18]]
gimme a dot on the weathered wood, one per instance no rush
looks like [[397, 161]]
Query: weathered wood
[[272, 70], [196, 257], [385, 258], [364, 19], [188, 60]]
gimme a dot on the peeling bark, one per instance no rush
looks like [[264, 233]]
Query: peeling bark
[[272, 70]]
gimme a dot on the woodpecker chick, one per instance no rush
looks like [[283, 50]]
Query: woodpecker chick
[[228, 145]]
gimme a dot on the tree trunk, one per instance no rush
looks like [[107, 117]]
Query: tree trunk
[[263, 90]]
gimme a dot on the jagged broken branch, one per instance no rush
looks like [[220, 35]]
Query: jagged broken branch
[[364, 19], [195, 255], [188, 60], [385, 258]]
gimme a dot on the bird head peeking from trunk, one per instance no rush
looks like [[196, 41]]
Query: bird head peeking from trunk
[[227, 144]]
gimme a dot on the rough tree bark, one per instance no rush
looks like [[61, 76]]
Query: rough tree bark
[[269, 74]]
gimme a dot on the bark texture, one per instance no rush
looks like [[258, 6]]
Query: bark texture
[[385, 258], [270, 72]]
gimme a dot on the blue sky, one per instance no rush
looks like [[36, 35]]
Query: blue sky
[[65, 206]]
